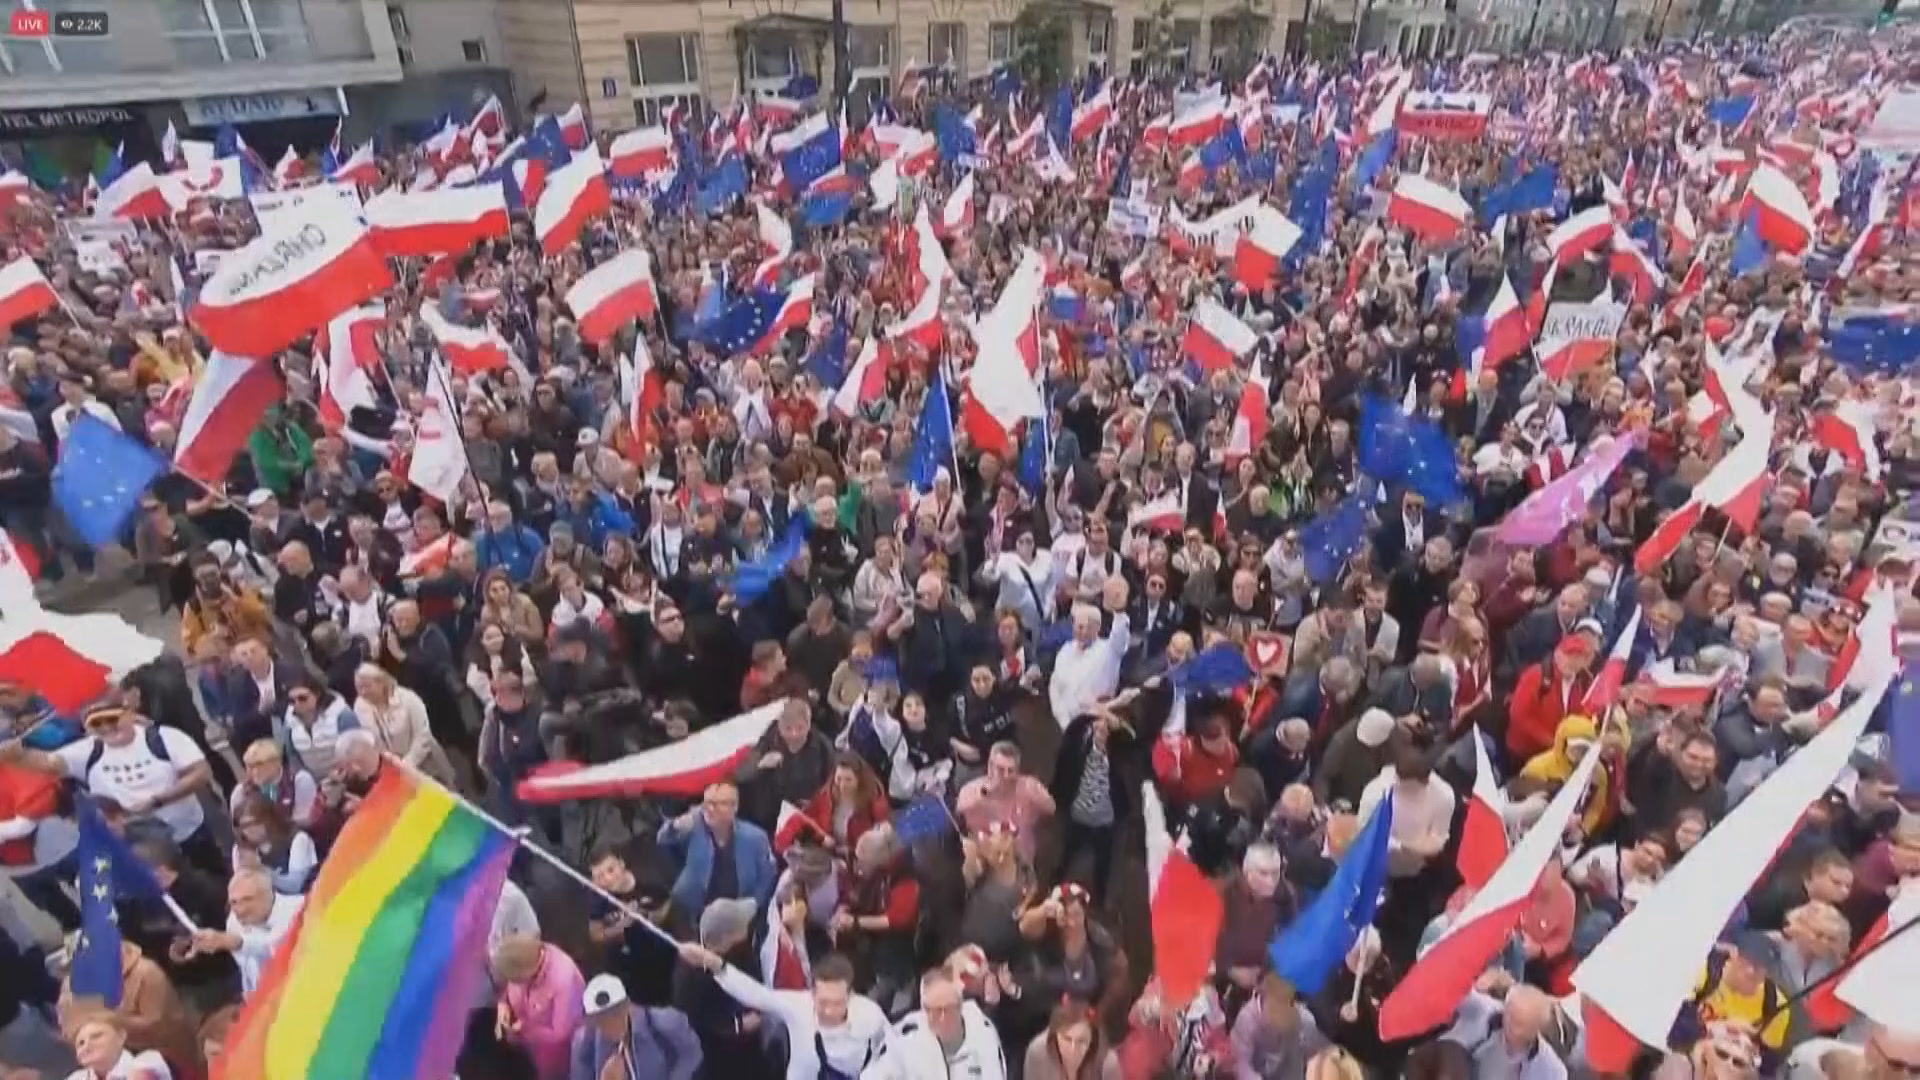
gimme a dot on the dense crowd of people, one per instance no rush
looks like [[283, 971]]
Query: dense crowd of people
[[976, 682]]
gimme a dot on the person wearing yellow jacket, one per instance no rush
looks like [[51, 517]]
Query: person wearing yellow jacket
[[1574, 738]]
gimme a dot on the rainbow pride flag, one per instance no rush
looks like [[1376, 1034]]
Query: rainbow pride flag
[[376, 979]]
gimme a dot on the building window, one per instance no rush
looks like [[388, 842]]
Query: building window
[[280, 27], [947, 46], [1001, 43], [662, 63], [397, 18], [870, 51], [773, 60], [1099, 36], [1186, 34], [474, 50], [650, 111], [206, 32]]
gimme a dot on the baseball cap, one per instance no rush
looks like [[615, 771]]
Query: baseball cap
[[603, 992]]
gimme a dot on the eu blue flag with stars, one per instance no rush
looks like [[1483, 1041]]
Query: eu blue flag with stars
[[951, 135], [99, 478], [817, 211], [828, 361], [1329, 540], [1375, 158], [923, 819], [812, 159], [1749, 251], [1308, 949], [932, 437], [108, 871], [1730, 111], [1410, 451], [724, 183], [1060, 116], [745, 320], [752, 579], [1033, 457]]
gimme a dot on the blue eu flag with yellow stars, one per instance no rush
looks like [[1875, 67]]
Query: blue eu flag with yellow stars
[[932, 437], [108, 871], [98, 481]]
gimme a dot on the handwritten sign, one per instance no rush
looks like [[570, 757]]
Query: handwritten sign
[[1575, 335], [1222, 229], [1133, 217]]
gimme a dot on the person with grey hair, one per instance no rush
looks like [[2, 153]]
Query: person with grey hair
[[1087, 669], [950, 1035]]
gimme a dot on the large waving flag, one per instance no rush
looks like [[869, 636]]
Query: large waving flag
[[1329, 540], [636, 153], [683, 768], [99, 477], [345, 351], [1444, 974], [1579, 234], [435, 222], [471, 350], [1428, 209], [24, 292], [752, 578], [267, 295], [1307, 950], [753, 322], [1215, 337], [1411, 450], [1185, 908], [232, 394], [1483, 833], [376, 978], [572, 196], [1780, 211], [1257, 255], [618, 291], [109, 871], [1637, 978], [932, 436]]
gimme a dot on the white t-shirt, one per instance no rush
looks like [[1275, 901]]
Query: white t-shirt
[[127, 773], [145, 1063]]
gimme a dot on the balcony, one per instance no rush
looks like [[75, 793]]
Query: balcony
[[159, 50]]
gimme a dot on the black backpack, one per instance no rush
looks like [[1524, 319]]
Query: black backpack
[[156, 746]]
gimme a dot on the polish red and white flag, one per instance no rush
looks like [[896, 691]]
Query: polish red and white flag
[[1782, 216], [1257, 254], [1444, 974], [1637, 978], [24, 292], [470, 350], [1198, 123], [1508, 334], [682, 768], [1185, 910], [233, 392], [422, 223], [573, 128], [793, 821], [134, 195], [1579, 234], [1663, 687], [616, 292], [634, 154], [574, 194], [1483, 833], [1606, 685], [956, 214], [346, 350], [1427, 208], [1215, 337], [287, 283]]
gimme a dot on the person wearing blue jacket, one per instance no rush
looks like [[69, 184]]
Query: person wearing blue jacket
[[720, 857], [623, 1041], [507, 544]]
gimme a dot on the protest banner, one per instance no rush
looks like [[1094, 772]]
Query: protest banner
[[1440, 115], [1133, 217], [97, 256], [274, 208], [1573, 335], [1221, 230]]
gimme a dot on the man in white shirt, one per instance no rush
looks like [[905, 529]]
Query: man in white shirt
[[1088, 667], [831, 1031], [257, 919], [948, 1036], [148, 770], [100, 1046], [1504, 1038], [76, 398], [1422, 810]]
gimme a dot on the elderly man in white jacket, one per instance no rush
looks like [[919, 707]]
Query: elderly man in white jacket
[[948, 1037]]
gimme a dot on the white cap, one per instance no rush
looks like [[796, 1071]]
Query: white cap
[[259, 498], [603, 992], [1375, 728]]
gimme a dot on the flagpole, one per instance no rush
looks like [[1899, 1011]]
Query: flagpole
[[521, 840]]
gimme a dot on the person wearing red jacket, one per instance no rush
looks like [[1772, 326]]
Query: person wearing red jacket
[[849, 804], [1547, 693], [879, 917], [1192, 768]]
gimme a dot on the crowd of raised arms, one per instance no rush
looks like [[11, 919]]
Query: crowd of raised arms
[[1380, 568]]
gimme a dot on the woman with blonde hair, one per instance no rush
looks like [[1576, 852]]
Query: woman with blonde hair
[[1334, 1063], [541, 1002], [398, 718], [1072, 1047]]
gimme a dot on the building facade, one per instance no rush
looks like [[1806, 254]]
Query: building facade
[[626, 60], [284, 72]]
